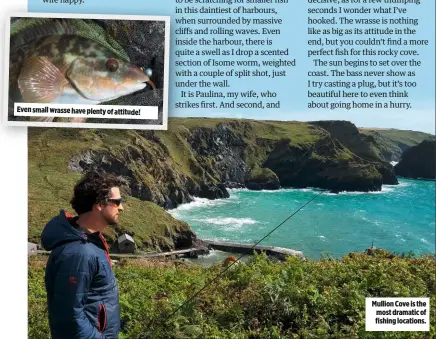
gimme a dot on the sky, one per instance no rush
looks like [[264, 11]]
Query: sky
[[292, 89]]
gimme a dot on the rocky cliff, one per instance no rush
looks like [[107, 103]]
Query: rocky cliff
[[418, 161], [199, 157], [391, 143]]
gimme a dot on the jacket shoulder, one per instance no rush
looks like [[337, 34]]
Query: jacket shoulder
[[75, 252]]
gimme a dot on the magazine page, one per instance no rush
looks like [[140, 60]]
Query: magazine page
[[291, 194]]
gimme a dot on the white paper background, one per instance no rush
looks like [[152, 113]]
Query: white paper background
[[371, 314], [13, 215]]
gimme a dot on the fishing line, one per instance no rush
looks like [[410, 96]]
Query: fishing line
[[209, 283]]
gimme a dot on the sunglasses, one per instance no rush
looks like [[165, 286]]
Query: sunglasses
[[117, 202]]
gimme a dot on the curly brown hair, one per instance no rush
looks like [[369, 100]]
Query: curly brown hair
[[93, 188]]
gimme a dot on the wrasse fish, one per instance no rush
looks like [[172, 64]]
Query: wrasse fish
[[69, 69]]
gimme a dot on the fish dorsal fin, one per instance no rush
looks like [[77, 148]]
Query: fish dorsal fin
[[27, 30], [40, 81]]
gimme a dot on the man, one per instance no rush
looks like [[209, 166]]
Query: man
[[82, 292]]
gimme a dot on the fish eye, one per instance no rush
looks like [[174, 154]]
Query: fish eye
[[112, 65]]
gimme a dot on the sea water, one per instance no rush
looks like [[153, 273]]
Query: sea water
[[399, 218]]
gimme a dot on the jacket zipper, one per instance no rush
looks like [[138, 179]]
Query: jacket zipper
[[106, 248]]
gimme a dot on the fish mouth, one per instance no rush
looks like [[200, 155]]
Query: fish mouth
[[151, 83], [138, 74]]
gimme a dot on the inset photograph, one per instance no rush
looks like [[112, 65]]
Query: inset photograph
[[87, 71]]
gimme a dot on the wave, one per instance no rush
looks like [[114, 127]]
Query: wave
[[224, 239], [286, 190], [212, 253], [280, 190], [231, 190], [402, 184], [199, 203], [384, 189], [235, 222]]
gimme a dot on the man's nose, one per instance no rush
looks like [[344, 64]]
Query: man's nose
[[121, 208]]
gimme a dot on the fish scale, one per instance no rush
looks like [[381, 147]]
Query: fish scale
[[61, 48]]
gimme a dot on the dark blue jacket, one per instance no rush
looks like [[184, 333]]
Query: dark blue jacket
[[82, 292]]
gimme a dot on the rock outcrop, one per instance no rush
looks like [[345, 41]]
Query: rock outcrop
[[198, 157], [392, 143], [262, 179], [362, 145], [418, 161], [203, 157]]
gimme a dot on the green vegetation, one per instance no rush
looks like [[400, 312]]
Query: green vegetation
[[393, 142], [298, 132], [149, 223], [263, 299], [51, 184], [170, 166], [258, 300], [262, 175], [157, 160], [409, 138]]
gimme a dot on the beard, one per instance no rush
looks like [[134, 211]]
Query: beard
[[111, 220]]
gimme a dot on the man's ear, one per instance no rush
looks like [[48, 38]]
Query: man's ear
[[98, 206]]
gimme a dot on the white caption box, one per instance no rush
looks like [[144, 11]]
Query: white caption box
[[86, 111], [397, 314]]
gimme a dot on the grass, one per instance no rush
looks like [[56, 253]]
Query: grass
[[146, 220], [51, 183], [392, 142], [260, 299], [163, 160], [262, 174], [406, 137], [51, 179], [301, 299], [298, 132], [179, 149]]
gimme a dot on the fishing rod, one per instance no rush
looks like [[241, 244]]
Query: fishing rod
[[209, 283]]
